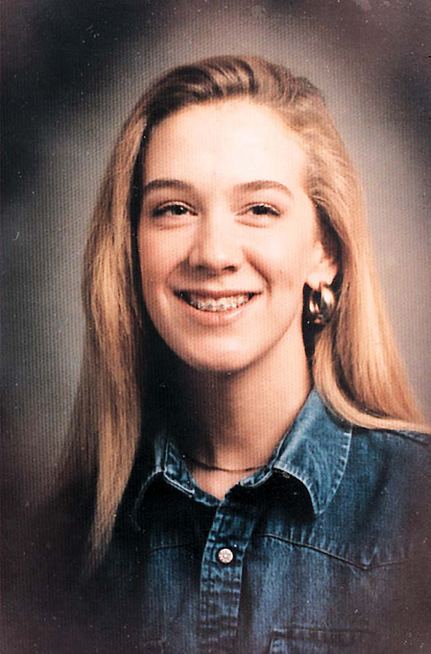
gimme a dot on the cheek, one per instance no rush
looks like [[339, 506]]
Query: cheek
[[156, 258], [284, 261]]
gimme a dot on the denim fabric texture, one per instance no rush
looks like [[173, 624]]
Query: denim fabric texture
[[323, 550]]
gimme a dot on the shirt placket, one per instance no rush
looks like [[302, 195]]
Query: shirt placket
[[221, 575]]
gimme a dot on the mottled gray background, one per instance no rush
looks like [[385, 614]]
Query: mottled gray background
[[72, 69]]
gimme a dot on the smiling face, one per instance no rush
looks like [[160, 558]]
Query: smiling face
[[228, 237]]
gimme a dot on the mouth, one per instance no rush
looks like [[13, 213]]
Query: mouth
[[213, 304]]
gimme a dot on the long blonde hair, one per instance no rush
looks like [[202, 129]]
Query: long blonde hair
[[354, 361]]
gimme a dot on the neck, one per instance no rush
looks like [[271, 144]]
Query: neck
[[234, 421]]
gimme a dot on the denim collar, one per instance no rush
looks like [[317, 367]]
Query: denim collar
[[314, 451]]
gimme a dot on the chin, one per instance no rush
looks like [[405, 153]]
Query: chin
[[217, 363]]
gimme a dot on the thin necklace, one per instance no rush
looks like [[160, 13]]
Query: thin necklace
[[206, 466]]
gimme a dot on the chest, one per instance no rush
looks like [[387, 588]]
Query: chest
[[256, 576]]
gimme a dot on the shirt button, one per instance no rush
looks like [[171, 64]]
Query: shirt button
[[225, 555]]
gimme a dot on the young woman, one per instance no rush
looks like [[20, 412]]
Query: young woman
[[243, 425]]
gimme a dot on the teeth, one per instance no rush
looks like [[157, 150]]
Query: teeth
[[219, 304]]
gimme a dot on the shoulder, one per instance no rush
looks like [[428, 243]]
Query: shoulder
[[390, 471], [398, 436], [380, 514], [403, 453], [400, 460]]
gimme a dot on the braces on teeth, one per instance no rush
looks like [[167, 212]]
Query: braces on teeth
[[222, 304]]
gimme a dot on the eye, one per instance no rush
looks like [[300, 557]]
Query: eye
[[174, 209], [262, 209], [260, 214]]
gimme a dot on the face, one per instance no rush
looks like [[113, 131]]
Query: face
[[228, 236]]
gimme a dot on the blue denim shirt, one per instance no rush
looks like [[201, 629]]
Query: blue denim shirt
[[325, 549]]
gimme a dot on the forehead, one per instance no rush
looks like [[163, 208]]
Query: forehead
[[234, 140]]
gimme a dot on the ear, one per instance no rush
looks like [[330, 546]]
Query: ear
[[323, 269]]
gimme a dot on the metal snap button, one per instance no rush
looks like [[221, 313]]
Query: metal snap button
[[225, 555]]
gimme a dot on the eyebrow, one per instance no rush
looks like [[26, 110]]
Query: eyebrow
[[262, 184], [166, 183], [255, 185]]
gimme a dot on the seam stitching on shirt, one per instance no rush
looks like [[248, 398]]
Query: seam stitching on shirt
[[331, 554]]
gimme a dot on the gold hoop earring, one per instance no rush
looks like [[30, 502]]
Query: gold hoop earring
[[321, 305]]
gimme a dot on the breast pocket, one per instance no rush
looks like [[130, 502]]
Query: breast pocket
[[306, 640]]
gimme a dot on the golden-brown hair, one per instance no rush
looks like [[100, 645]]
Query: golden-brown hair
[[354, 361]]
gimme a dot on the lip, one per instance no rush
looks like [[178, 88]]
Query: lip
[[209, 318]]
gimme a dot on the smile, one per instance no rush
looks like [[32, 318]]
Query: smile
[[213, 304]]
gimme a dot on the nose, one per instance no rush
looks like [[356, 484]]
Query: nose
[[216, 247]]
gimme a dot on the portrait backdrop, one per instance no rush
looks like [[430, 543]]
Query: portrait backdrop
[[72, 70]]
